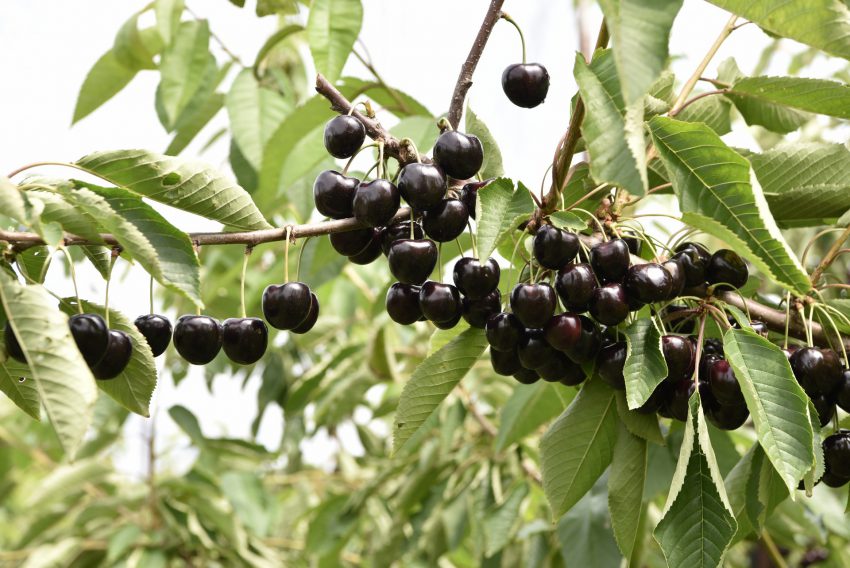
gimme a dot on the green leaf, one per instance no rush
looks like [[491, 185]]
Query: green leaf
[[441, 337], [645, 367], [578, 446], [528, 408], [65, 385], [641, 425], [585, 535], [625, 489], [12, 201], [640, 31], [433, 380], [188, 185], [716, 194], [824, 24], [421, 129], [255, 113], [500, 520], [492, 165], [332, 29], [776, 401], [193, 121], [20, 389], [714, 112], [501, 209], [391, 99], [567, 220], [168, 14], [130, 48], [810, 95], [106, 79], [610, 145], [34, 262]]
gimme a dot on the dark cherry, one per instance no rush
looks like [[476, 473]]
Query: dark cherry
[[563, 332], [91, 335], [439, 302], [724, 384], [533, 350], [728, 417], [469, 194], [287, 305], [312, 316], [835, 481], [403, 303], [656, 400], [609, 364], [477, 312], [349, 243], [677, 278], [375, 202], [649, 282], [244, 340], [676, 405], [157, 332], [422, 186], [398, 231], [588, 344], [680, 357], [446, 221], [563, 370], [333, 193], [525, 84], [412, 261], [727, 267], [575, 285], [609, 304], [610, 260], [705, 364], [503, 332], [505, 363], [693, 264], [117, 356], [554, 247], [527, 376], [344, 135], [825, 407], [817, 370], [699, 291], [447, 324], [533, 304], [697, 248], [459, 155], [476, 279], [712, 345], [13, 347], [633, 241], [836, 453], [197, 338], [370, 252], [842, 393]]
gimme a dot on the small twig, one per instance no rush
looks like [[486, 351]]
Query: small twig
[[694, 99], [833, 252]]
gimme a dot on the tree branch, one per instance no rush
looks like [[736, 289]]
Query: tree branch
[[464, 79]]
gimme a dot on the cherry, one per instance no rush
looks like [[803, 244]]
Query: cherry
[[398, 231], [477, 312], [350, 243], [835, 481], [836, 453], [422, 186], [610, 260], [344, 135], [197, 338], [439, 302], [312, 316], [370, 252], [842, 393], [656, 400], [460, 155], [588, 342], [286, 306], [726, 267], [633, 241], [527, 376], [333, 193], [533, 350], [375, 202], [696, 248], [476, 279], [676, 405], [469, 194], [91, 335], [693, 263], [505, 362], [403, 303], [609, 304], [244, 339], [503, 332], [705, 365], [727, 417], [533, 304], [448, 324], [825, 407], [817, 370], [13, 347], [553, 247], [446, 221], [680, 357], [610, 363], [117, 356], [712, 346], [412, 261], [563, 332], [677, 278], [724, 384], [575, 284], [157, 332], [563, 370], [525, 84], [649, 282]]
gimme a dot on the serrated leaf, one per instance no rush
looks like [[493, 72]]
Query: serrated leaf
[[188, 185], [22, 392], [65, 385], [332, 29], [255, 113], [714, 112], [808, 95], [105, 79], [776, 401], [72, 220], [492, 165], [528, 408], [33, 263], [645, 366], [501, 210], [641, 425], [441, 337], [432, 381], [130, 48], [625, 489], [716, 193], [578, 446], [193, 121]]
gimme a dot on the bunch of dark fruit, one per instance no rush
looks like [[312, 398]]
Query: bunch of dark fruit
[[823, 378], [836, 457]]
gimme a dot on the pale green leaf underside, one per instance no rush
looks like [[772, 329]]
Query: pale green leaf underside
[[645, 367], [332, 29], [492, 165], [255, 113], [529, 407], [501, 207], [187, 67], [625, 489], [641, 425]]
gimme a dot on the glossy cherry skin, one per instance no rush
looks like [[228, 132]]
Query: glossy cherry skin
[[91, 335], [575, 285], [610, 260], [693, 266], [503, 332], [705, 364], [836, 453], [439, 302], [525, 84], [533, 304], [649, 282], [696, 248], [459, 155], [349, 243], [817, 370], [609, 304], [446, 221], [157, 332], [333, 193], [311, 319], [244, 340], [835, 481], [676, 405], [712, 345], [412, 261], [344, 135], [197, 338], [13, 347], [287, 305], [371, 252], [679, 356], [610, 363], [533, 350], [633, 241], [588, 344], [448, 324], [563, 370], [728, 417], [554, 248], [476, 279], [677, 278], [842, 393], [403, 303], [477, 312], [469, 194], [656, 400], [563, 332], [825, 407], [526, 376], [375, 202], [505, 363], [117, 356], [398, 231], [727, 267], [724, 384], [422, 186]]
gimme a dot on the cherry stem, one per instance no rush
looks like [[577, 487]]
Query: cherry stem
[[507, 18], [459, 248], [298, 262], [286, 256], [833, 252], [248, 251], [472, 240], [150, 294], [412, 144], [112, 258], [73, 274], [440, 263], [700, 337], [351, 159], [787, 318]]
